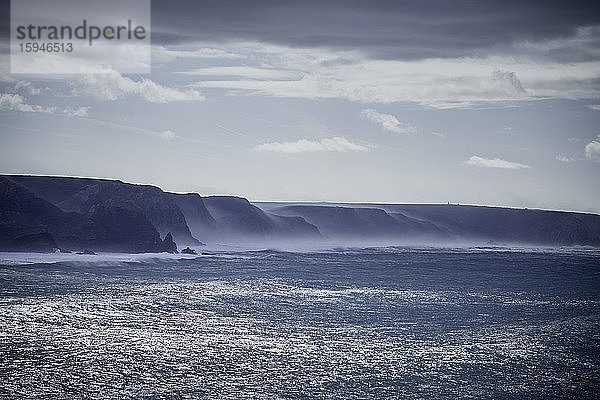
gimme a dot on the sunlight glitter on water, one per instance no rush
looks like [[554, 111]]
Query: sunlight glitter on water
[[191, 329]]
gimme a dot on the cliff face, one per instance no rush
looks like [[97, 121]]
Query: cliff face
[[346, 222], [81, 195], [116, 227], [200, 221], [237, 218], [509, 225], [24, 219], [30, 223], [447, 223], [43, 213]]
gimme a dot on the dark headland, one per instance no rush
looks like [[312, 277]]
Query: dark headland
[[43, 214]]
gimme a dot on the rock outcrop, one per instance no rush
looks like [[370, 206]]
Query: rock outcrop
[[168, 245], [187, 250]]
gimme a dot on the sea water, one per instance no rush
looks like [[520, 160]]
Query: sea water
[[405, 323]]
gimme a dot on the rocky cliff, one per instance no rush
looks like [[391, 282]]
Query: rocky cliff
[[42, 213], [81, 195], [30, 223]]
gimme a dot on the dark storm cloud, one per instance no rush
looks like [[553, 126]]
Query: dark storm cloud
[[387, 29], [381, 28]]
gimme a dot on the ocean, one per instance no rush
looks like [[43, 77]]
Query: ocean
[[372, 323]]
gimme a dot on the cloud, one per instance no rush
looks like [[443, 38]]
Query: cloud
[[16, 102], [580, 46], [335, 144], [481, 162], [592, 150], [397, 29], [168, 135], [27, 88], [595, 107], [163, 55], [76, 112], [462, 82], [387, 121], [244, 72], [511, 78], [111, 85], [565, 159], [123, 56]]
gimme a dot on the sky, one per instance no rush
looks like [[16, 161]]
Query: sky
[[490, 103]]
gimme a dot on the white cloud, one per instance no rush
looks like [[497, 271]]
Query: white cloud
[[565, 159], [244, 72], [387, 121], [167, 135], [16, 102], [461, 82], [163, 55], [438, 134], [335, 144], [511, 78], [481, 162], [111, 85], [77, 112], [125, 57], [27, 88], [581, 45], [595, 107], [592, 150]]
